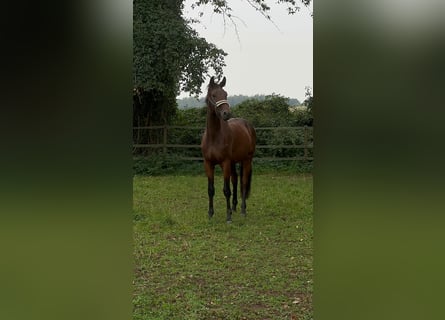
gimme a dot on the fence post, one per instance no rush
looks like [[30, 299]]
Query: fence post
[[165, 140], [305, 142]]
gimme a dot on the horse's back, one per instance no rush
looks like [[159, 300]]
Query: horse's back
[[244, 138]]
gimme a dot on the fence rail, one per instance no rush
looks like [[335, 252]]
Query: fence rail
[[307, 144]]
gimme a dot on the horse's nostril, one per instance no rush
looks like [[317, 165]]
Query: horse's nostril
[[226, 115]]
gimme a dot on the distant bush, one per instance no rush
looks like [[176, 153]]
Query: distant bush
[[273, 111], [190, 117]]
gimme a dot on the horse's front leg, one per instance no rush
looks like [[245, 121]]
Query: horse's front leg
[[226, 171], [210, 172]]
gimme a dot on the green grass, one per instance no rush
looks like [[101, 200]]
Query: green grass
[[187, 267], [160, 165]]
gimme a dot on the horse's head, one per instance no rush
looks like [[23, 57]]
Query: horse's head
[[217, 99]]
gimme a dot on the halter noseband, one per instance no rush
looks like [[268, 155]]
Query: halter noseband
[[220, 102], [217, 104]]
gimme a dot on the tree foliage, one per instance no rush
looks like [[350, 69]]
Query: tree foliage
[[168, 54], [309, 103], [263, 6], [273, 111]]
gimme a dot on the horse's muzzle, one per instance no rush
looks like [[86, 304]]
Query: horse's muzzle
[[226, 115]]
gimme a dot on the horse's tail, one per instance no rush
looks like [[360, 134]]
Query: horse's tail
[[249, 182], [249, 179]]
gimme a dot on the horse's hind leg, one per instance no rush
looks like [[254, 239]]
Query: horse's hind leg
[[242, 187], [246, 178], [234, 176]]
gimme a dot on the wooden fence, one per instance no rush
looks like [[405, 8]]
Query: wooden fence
[[306, 145]]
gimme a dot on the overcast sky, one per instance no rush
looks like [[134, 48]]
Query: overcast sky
[[266, 58]]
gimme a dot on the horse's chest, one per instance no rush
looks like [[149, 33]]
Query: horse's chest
[[219, 153]]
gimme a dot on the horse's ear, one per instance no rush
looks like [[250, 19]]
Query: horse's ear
[[223, 82], [212, 81]]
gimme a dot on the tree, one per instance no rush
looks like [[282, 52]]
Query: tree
[[169, 55]]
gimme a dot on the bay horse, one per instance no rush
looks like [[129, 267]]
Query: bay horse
[[226, 142]]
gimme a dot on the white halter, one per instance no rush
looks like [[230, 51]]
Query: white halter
[[220, 102]]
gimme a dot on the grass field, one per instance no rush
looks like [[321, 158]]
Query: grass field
[[187, 267]]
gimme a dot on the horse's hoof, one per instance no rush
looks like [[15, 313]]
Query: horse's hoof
[[229, 221]]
